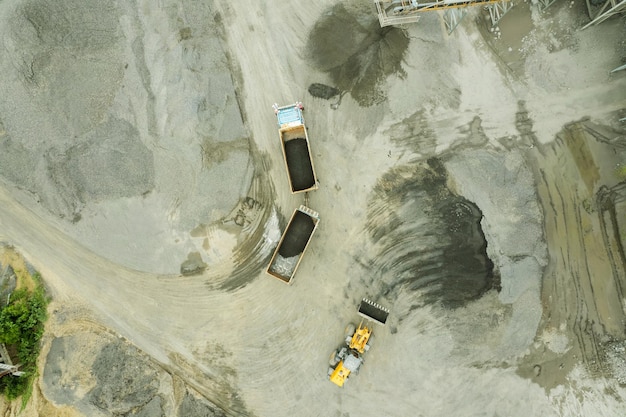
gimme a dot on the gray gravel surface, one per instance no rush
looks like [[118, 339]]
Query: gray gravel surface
[[119, 129], [243, 341], [100, 375]]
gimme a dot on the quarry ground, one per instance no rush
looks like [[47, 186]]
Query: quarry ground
[[472, 182]]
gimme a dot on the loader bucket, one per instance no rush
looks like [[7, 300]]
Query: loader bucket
[[373, 311]]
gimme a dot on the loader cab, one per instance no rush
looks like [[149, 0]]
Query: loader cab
[[349, 362]]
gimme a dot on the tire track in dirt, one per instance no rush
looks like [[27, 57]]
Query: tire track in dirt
[[153, 313], [579, 301]]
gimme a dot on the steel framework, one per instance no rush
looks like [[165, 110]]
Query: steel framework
[[9, 369], [544, 4], [396, 12], [6, 365], [608, 9], [623, 67], [452, 18]]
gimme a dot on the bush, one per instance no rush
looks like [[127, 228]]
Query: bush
[[22, 325]]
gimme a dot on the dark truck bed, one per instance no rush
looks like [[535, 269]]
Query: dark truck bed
[[298, 159], [293, 244], [299, 164]]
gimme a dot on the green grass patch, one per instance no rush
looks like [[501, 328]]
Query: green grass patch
[[21, 327], [620, 171]]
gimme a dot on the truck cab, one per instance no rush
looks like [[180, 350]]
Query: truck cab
[[294, 141]]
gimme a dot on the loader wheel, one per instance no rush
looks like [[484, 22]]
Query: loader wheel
[[370, 341], [349, 330], [332, 360]]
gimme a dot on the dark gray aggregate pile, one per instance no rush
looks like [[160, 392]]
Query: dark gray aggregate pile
[[297, 236]]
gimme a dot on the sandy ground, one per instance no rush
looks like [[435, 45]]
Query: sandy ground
[[159, 134]]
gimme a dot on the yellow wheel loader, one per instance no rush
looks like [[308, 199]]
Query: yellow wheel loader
[[348, 358]]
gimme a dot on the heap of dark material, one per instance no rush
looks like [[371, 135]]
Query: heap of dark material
[[299, 164], [454, 268], [297, 235], [323, 91]]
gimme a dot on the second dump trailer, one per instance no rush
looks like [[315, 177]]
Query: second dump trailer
[[293, 243]]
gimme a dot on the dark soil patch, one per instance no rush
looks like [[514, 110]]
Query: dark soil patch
[[356, 52], [426, 238], [323, 91], [192, 406], [125, 381], [193, 265]]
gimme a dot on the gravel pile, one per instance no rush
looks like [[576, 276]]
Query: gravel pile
[[297, 236], [123, 122]]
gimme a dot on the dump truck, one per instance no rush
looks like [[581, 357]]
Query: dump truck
[[294, 141], [348, 358], [292, 244]]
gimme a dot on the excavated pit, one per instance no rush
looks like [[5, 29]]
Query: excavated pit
[[426, 238]]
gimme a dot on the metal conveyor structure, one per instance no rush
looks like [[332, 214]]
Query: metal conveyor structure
[[396, 12]]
